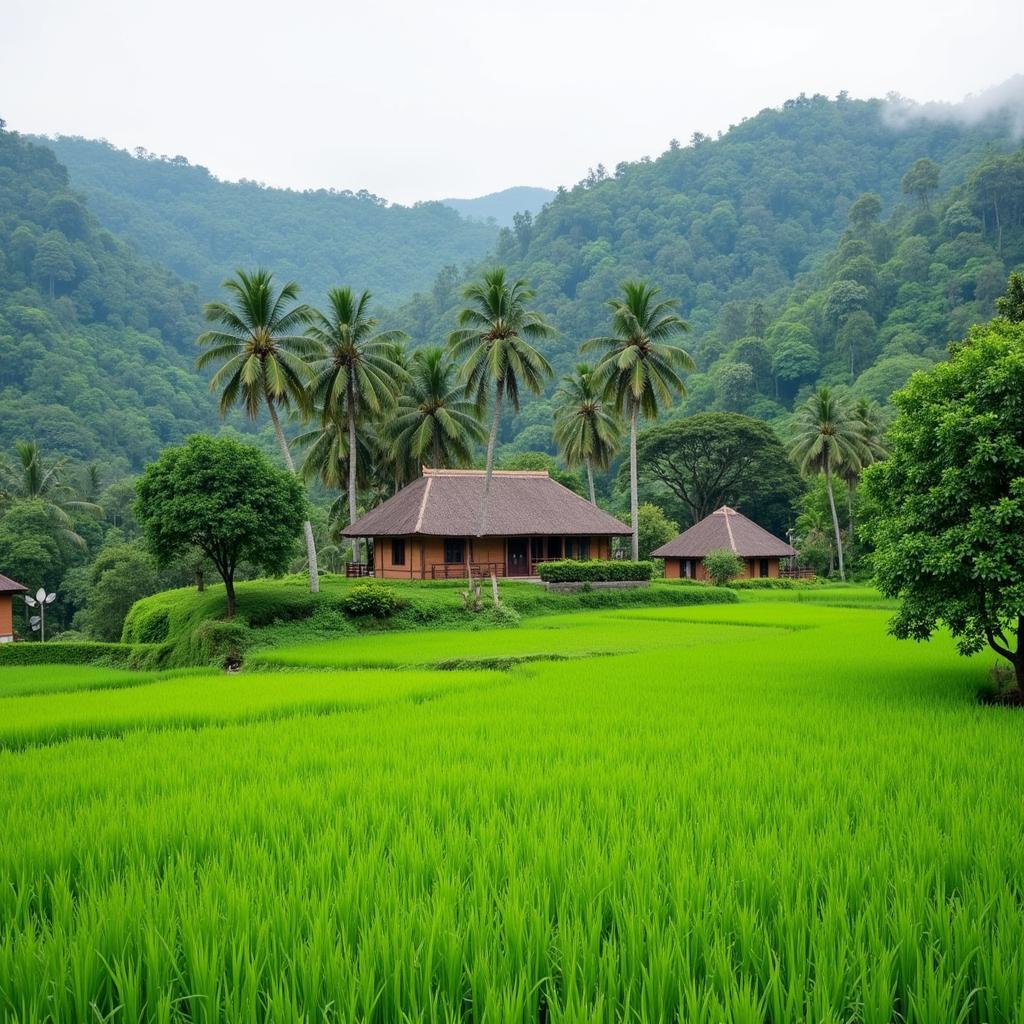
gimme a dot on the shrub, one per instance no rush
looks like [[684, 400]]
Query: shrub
[[220, 642], [722, 566], [767, 583], [371, 599], [503, 615], [594, 571], [75, 652]]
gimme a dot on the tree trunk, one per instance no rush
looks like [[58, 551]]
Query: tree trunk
[[852, 487], [307, 529], [635, 547], [436, 446], [590, 482], [229, 588], [357, 545], [499, 391], [835, 520]]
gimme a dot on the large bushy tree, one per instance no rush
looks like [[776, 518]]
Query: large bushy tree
[[225, 498], [945, 511], [720, 458]]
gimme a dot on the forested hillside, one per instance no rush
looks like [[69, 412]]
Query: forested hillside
[[203, 228], [96, 344], [725, 225]]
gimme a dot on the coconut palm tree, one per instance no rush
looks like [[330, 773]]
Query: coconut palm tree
[[872, 422], [640, 369], [434, 423], [360, 374], [586, 430], [32, 477], [494, 344], [828, 437], [263, 359]]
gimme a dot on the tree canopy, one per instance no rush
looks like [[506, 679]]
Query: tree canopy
[[945, 511], [225, 498]]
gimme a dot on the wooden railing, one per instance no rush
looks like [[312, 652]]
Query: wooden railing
[[457, 570], [797, 574], [356, 569]]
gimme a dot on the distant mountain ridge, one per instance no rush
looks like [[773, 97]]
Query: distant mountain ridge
[[502, 206], [203, 228]]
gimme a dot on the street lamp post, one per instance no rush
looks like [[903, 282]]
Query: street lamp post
[[40, 601]]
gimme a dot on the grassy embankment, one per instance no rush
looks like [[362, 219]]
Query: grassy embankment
[[763, 811]]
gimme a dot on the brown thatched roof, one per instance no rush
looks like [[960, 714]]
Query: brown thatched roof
[[9, 586], [446, 503], [725, 528]]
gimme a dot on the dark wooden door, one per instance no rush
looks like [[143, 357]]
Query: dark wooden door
[[518, 557]]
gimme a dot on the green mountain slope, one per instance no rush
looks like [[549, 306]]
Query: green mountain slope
[[96, 344], [503, 206], [725, 225], [203, 228]]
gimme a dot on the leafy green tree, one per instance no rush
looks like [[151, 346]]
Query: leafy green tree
[[30, 552], [921, 181], [263, 359], [722, 566], [864, 212], [945, 511], [359, 376], [35, 478], [541, 460], [120, 575], [585, 429], [494, 344], [714, 459], [872, 422], [225, 498], [1011, 304], [640, 369], [654, 528], [434, 424], [53, 260], [827, 436]]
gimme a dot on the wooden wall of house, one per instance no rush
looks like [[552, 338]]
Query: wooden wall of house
[[422, 553], [674, 568], [6, 616]]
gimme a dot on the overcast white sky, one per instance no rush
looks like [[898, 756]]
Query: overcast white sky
[[418, 100]]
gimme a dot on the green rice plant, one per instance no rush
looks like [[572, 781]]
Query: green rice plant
[[793, 819]]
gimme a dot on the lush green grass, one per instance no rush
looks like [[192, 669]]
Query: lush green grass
[[23, 680], [818, 824], [284, 611]]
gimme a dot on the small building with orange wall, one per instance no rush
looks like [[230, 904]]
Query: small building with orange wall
[[8, 588], [759, 550], [432, 528]]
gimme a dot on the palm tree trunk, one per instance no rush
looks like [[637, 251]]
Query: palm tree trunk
[[590, 481], [307, 528], [632, 483], [852, 487], [436, 446], [835, 520], [499, 391], [357, 546]]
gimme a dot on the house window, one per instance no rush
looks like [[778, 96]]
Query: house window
[[398, 552], [536, 548], [688, 568], [584, 549], [454, 551], [554, 547], [764, 568], [570, 548]]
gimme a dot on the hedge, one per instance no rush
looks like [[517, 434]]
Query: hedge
[[594, 571], [770, 583], [83, 653]]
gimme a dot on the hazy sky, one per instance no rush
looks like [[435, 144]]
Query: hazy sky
[[419, 100]]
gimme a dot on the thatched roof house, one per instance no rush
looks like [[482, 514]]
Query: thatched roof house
[[429, 530], [729, 529]]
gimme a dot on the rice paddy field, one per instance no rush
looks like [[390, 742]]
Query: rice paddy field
[[766, 811]]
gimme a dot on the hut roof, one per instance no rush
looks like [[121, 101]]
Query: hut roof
[[725, 528], [446, 503], [9, 586]]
